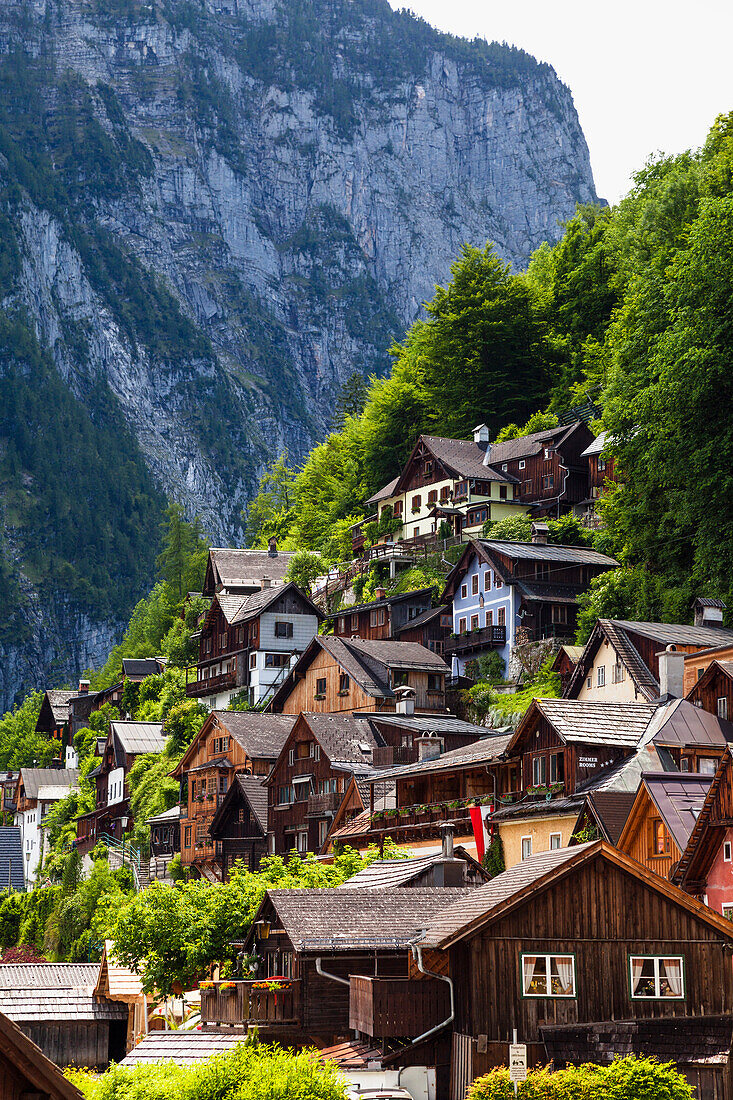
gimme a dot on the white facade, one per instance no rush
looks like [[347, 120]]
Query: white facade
[[608, 681], [30, 837], [115, 786]]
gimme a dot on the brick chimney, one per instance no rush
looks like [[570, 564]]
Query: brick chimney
[[380, 593], [84, 686], [540, 533], [267, 582], [272, 547]]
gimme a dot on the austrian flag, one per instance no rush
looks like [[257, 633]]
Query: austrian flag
[[482, 828]]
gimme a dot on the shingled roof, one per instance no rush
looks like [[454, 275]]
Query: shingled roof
[[609, 809], [386, 874], [234, 569], [262, 736], [247, 786], [54, 992], [527, 445], [183, 1047], [348, 920], [577, 720], [58, 700], [384, 493], [345, 738], [467, 756], [684, 1040], [464, 458]]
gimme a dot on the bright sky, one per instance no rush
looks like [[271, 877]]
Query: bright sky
[[645, 76]]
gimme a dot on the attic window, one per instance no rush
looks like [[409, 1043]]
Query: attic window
[[522, 464], [283, 630], [364, 747], [505, 466]]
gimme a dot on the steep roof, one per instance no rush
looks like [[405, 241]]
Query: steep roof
[[33, 778], [347, 920], [424, 618], [262, 736], [467, 756], [464, 458], [115, 981], [249, 787], [679, 798], [518, 883], [707, 832], [174, 814], [680, 723], [596, 447], [58, 700], [240, 569], [142, 666], [32, 1065], [577, 720], [345, 738], [527, 445], [11, 858], [610, 809], [139, 737]]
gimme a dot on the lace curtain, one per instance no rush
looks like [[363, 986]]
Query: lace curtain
[[564, 965]]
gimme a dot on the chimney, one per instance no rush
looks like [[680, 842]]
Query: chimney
[[447, 830], [709, 612], [481, 435], [380, 593], [428, 747], [540, 534], [671, 672], [266, 582], [84, 686], [272, 547]]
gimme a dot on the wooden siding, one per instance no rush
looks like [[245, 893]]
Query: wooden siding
[[637, 839], [580, 762], [600, 914], [384, 1007], [303, 696], [695, 665], [326, 1003], [705, 693], [89, 1043]]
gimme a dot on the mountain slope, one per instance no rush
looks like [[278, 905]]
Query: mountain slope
[[214, 213]]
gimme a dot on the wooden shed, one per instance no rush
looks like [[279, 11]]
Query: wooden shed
[[122, 985], [25, 1071]]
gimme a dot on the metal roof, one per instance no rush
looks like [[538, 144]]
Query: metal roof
[[539, 551], [679, 798], [11, 858], [33, 778], [139, 737], [681, 633], [680, 723]]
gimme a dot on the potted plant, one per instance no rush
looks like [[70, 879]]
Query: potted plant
[[227, 987], [392, 812], [206, 985]]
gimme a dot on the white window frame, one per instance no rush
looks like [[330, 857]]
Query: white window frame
[[727, 851], [722, 706], [657, 994], [558, 838], [522, 464], [727, 910], [547, 957], [601, 676], [529, 838]]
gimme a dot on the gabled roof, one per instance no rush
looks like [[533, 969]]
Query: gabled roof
[[142, 667], [57, 701], [609, 810], [33, 778], [549, 551], [115, 981], [54, 992], [527, 445], [724, 667], [430, 723], [387, 601], [596, 447], [345, 738], [679, 633], [424, 618], [262, 736], [11, 858], [250, 788], [367, 662], [577, 720], [235, 569], [489, 748], [386, 874], [139, 737], [32, 1065], [241, 608], [384, 493], [679, 798], [166, 817], [679, 723], [462, 457], [707, 832], [519, 883], [357, 920]]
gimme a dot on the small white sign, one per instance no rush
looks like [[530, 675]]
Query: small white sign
[[517, 1062]]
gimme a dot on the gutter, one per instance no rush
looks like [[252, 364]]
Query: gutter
[[332, 977], [417, 956]]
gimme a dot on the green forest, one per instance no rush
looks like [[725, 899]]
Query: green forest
[[629, 310]]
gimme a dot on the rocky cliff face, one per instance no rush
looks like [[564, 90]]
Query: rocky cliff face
[[220, 209]]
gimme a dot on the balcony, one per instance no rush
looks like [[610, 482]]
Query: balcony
[[385, 1007], [319, 804], [245, 1003], [484, 638], [226, 682], [389, 756]]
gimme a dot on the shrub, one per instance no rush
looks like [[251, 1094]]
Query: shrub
[[625, 1079]]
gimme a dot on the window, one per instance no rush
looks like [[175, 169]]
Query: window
[[722, 706], [474, 585], [589, 681], [505, 466], [462, 626], [291, 757], [433, 496], [601, 676], [548, 975], [707, 765], [435, 681], [321, 687], [397, 511], [372, 618], [344, 684], [557, 767], [416, 503], [548, 481], [302, 790], [354, 622], [498, 582], [660, 845], [283, 629], [700, 672], [559, 613], [656, 977], [549, 452], [685, 764], [555, 841], [464, 591], [322, 833], [253, 660], [727, 851], [727, 911], [342, 625], [501, 617], [474, 622], [618, 674], [522, 464], [527, 488], [277, 660], [428, 468], [487, 581], [314, 750], [400, 678], [187, 837], [489, 618], [539, 771], [503, 492], [526, 847], [301, 843], [444, 492], [601, 465]]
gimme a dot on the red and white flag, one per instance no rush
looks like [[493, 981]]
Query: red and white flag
[[482, 828]]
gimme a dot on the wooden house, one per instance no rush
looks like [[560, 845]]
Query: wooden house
[[601, 471], [626, 661], [310, 942], [249, 643], [497, 588], [383, 617], [234, 572], [239, 826], [126, 741], [55, 1005], [354, 674], [450, 866], [123, 986], [712, 688], [431, 629], [705, 866], [165, 840], [585, 949], [603, 815], [137, 669], [26, 1072], [662, 818], [36, 791], [53, 717], [564, 663], [229, 743]]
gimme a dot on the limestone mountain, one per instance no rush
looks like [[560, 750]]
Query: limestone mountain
[[213, 213]]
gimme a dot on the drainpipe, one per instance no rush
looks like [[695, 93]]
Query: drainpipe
[[332, 977], [417, 956]]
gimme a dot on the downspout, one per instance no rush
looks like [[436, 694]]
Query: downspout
[[417, 956], [331, 977]]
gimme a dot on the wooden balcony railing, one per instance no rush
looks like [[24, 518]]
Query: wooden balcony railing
[[224, 682], [477, 639], [396, 1007], [324, 803], [248, 1004]]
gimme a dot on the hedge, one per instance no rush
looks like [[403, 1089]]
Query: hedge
[[625, 1079]]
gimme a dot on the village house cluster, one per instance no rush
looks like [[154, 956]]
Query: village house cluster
[[609, 930]]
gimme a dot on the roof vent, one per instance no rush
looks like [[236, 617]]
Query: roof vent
[[481, 434], [272, 547], [709, 612], [266, 582], [540, 534]]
